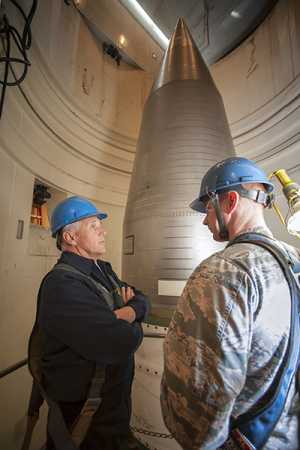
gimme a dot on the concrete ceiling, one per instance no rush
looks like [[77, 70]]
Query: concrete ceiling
[[218, 26]]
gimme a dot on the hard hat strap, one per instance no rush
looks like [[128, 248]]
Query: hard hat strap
[[214, 198], [258, 196]]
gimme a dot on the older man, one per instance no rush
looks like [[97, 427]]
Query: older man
[[228, 339], [88, 319]]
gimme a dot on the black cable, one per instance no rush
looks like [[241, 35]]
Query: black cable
[[22, 41], [26, 37], [6, 68]]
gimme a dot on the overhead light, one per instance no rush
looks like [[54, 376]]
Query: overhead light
[[235, 14], [145, 20], [122, 41], [291, 191], [79, 3]]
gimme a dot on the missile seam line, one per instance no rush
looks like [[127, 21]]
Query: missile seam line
[[188, 156], [177, 248], [191, 174], [206, 131], [182, 167], [205, 144], [201, 151], [177, 259], [190, 124], [174, 279], [188, 165], [182, 179], [187, 161], [167, 170], [179, 226], [174, 141], [191, 183], [201, 126], [177, 268], [178, 237], [191, 157], [174, 154], [171, 169], [201, 155]]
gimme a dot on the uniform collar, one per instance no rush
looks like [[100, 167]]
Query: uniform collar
[[259, 229], [85, 265]]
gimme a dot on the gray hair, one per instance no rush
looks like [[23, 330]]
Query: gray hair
[[59, 237]]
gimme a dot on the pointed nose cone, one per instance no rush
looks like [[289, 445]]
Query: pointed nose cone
[[184, 131], [182, 59]]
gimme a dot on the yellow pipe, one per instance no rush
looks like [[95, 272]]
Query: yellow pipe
[[283, 177], [277, 210]]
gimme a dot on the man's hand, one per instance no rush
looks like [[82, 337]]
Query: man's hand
[[126, 313], [127, 293]]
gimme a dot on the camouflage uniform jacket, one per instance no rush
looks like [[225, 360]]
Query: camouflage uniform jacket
[[224, 346]]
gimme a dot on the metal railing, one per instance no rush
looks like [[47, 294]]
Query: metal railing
[[23, 362], [155, 335], [13, 368]]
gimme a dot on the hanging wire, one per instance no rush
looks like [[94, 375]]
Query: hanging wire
[[8, 35]]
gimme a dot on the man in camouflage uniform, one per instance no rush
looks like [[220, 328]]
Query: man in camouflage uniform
[[229, 333]]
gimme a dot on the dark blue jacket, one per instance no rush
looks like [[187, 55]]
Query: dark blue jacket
[[79, 331]]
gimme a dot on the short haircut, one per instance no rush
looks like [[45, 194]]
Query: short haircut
[[59, 236]]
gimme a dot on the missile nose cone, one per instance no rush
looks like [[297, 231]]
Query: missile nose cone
[[184, 131], [182, 60]]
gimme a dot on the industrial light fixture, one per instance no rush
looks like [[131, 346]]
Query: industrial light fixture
[[39, 211], [145, 20], [122, 41], [235, 14], [77, 3], [112, 51], [291, 191]]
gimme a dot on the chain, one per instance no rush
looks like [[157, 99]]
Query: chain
[[152, 433]]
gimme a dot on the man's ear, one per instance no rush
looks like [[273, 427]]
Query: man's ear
[[233, 199], [68, 238]]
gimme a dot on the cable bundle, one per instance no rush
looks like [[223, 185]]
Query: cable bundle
[[8, 35]]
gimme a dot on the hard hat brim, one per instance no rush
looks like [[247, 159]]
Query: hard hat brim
[[198, 205]]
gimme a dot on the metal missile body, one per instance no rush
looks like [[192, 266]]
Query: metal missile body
[[184, 131]]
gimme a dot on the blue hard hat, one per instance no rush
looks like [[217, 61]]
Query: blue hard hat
[[71, 210], [227, 175]]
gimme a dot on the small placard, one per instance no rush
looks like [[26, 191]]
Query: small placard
[[129, 245], [171, 288], [20, 229]]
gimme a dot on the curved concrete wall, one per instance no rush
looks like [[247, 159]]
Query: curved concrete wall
[[78, 116], [260, 85], [73, 125]]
